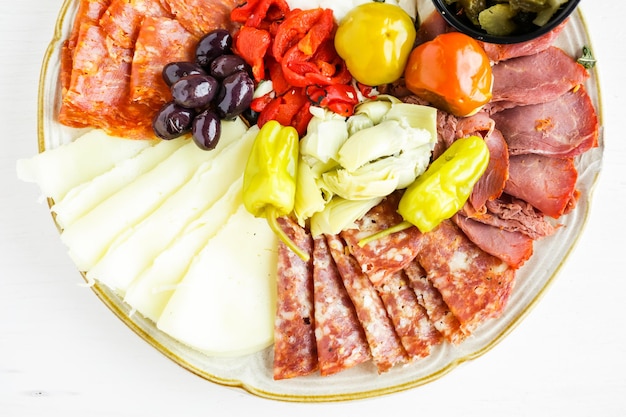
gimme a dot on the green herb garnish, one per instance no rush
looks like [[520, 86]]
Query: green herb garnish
[[587, 59]]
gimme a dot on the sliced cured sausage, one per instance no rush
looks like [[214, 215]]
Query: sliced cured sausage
[[382, 257], [98, 92], [430, 298], [161, 40], [123, 18], [474, 284], [417, 333], [341, 342], [89, 11], [382, 339], [295, 349], [201, 16]]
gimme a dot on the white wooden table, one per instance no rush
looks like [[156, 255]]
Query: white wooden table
[[62, 353]]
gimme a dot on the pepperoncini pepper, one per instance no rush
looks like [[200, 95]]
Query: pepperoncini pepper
[[269, 179], [452, 72], [443, 189], [375, 40]]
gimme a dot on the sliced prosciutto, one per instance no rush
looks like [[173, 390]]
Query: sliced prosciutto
[[295, 348], [548, 184], [564, 128], [474, 284], [514, 248], [161, 40], [123, 18], [411, 323], [430, 298], [384, 343], [341, 342], [382, 257], [535, 79], [201, 16]]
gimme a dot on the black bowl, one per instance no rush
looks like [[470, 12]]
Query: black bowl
[[462, 24]]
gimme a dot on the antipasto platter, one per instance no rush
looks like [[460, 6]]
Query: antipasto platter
[[254, 372]]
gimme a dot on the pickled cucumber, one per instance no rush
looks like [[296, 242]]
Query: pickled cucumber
[[498, 19]]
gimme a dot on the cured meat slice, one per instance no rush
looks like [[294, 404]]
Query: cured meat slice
[[502, 52], [535, 79], [341, 342], [564, 128], [382, 257], [123, 18], [99, 88], [434, 25], [295, 349], [417, 334], [89, 11], [430, 298], [474, 284], [513, 215], [382, 339], [202, 16], [548, 184], [161, 40], [514, 248], [492, 182]]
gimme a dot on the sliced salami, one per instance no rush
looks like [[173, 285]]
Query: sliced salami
[[341, 342], [384, 343], [474, 284], [416, 331], [201, 16], [382, 257], [430, 298], [161, 40], [123, 18], [295, 349]]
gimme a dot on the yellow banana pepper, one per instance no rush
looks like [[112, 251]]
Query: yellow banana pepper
[[443, 189], [269, 179], [375, 39]]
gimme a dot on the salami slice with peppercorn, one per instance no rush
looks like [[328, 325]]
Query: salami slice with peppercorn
[[295, 349], [474, 285], [341, 342], [417, 334], [382, 257], [430, 298], [384, 343]]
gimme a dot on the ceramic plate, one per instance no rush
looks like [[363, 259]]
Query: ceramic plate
[[253, 373]]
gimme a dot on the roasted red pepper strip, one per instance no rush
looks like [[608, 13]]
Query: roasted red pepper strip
[[294, 28], [290, 109], [253, 12], [302, 71], [339, 98], [252, 44], [281, 86]]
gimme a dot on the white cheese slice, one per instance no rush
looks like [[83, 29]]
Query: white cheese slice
[[58, 170], [136, 248], [90, 236], [225, 304], [151, 290], [81, 199]]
